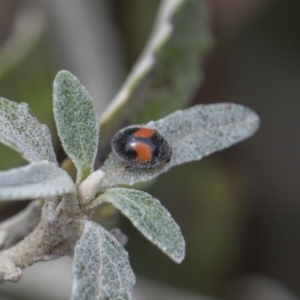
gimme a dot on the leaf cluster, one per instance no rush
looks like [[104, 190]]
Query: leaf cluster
[[101, 268]]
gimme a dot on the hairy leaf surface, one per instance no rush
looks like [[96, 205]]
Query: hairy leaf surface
[[192, 134], [21, 131], [76, 122], [150, 218], [37, 180], [101, 267]]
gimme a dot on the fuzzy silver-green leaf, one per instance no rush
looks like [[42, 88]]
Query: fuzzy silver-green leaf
[[150, 218], [38, 180], [21, 131], [101, 268], [76, 122], [192, 133]]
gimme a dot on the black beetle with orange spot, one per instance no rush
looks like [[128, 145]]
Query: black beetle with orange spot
[[141, 147]]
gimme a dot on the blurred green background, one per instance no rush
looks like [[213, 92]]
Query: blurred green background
[[238, 209]]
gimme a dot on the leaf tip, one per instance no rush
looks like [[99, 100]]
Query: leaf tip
[[61, 78], [179, 254], [63, 73]]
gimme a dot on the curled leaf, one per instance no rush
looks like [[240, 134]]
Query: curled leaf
[[37, 180], [89, 187], [101, 268], [192, 133], [21, 131]]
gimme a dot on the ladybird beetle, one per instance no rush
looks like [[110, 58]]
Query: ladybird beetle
[[141, 147]]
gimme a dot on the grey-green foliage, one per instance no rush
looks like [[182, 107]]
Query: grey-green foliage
[[21, 131], [76, 122], [101, 268], [37, 180], [160, 83], [150, 218], [192, 134]]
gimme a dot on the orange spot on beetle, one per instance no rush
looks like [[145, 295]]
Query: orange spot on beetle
[[141, 148], [144, 133], [144, 152]]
